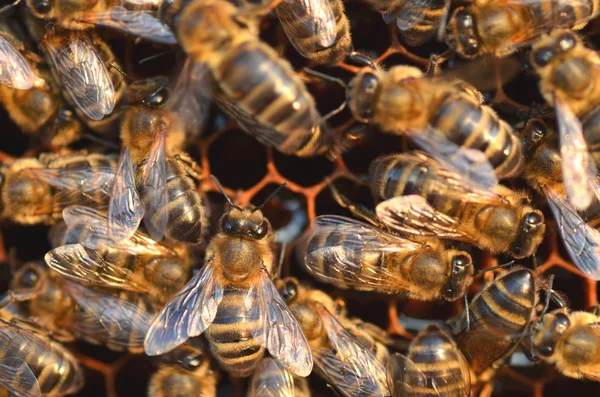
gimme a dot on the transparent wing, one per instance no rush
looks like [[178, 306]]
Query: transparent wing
[[15, 71], [109, 317], [155, 195], [136, 23], [309, 24], [581, 240], [83, 74], [280, 334], [271, 379], [412, 13], [470, 163], [347, 364], [404, 378], [354, 241], [15, 375], [81, 264], [187, 314], [578, 167], [412, 214], [125, 209]]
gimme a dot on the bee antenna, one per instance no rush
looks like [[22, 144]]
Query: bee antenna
[[121, 71], [517, 336], [216, 181], [14, 4], [154, 56], [260, 207], [325, 77], [489, 269]]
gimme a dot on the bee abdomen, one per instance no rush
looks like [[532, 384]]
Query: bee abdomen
[[185, 208], [342, 46], [230, 334], [423, 31], [471, 125], [266, 88]]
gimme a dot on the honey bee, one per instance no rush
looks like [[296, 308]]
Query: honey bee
[[37, 190], [352, 254], [543, 172], [499, 27], [117, 320], [233, 301], [340, 358], [153, 176], [424, 199], [137, 264], [173, 380], [251, 81], [318, 29], [33, 365], [15, 70], [568, 74], [445, 121], [270, 378], [433, 366], [568, 340], [485, 332]]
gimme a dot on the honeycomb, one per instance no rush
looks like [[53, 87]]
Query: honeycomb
[[251, 171]]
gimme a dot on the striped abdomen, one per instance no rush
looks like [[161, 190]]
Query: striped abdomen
[[55, 368], [474, 126], [186, 212], [258, 83], [230, 334], [427, 25], [565, 13], [342, 46], [437, 357], [591, 132], [503, 309]]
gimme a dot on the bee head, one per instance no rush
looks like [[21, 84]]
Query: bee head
[[362, 93], [460, 278], [245, 222], [462, 34], [548, 331], [46, 9], [531, 234], [550, 47], [29, 276]]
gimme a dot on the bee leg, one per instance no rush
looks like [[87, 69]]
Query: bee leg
[[190, 166], [467, 315], [277, 274], [435, 60], [356, 209], [595, 310]]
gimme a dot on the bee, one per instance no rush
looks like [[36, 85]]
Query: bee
[[318, 30], [15, 70], [422, 198], [369, 257], [271, 378], [444, 120], [34, 365], [340, 358], [116, 320], [543, 172], [153, 175], [499, 27], [485, 332], [37, 190], [234, 302], [568, 340], [138, 264], [249, 79], [434, 365], [173, 380], [567, 71]]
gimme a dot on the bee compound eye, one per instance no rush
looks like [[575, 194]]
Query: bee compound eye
[[460, 262], [534, 219], [542, 57], [42, 7]]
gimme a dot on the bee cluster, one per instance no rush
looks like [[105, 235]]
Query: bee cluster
[[299, 198]]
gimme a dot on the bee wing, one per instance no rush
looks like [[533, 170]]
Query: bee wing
[[412, 13], [413, 214], [81, 264], [125, 209], [134, 22], [83, 73], [578, 167], [353, 240], [581, 240], [280, 333], [15, 374], [15, 71], [472, 164], [303, 19], [109, 317], [187, 314], [346, 363], [156, 198], [404, 378], [271, 379]]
